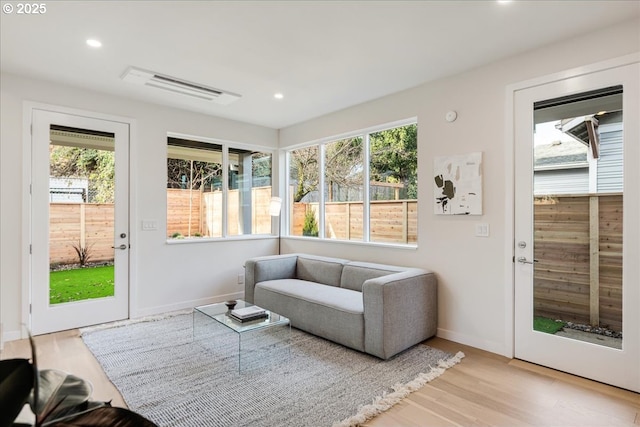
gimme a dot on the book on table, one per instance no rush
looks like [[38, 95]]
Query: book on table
[[248, 313]]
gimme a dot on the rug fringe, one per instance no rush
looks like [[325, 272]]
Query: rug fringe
[[400, 391], [121, 323]]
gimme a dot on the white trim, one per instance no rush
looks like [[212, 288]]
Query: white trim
[[322, 151], [225, 192], [160, 309], [27, 120], [354, 242], [473, 341], [221, 239], [510, 175], [366, 189]]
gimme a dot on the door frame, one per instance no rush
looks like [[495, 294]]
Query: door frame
[[27, 118], [509, 168]]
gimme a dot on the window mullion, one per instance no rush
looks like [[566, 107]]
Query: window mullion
[[365, 190], [321, 204], [225, 189], [286, 218]]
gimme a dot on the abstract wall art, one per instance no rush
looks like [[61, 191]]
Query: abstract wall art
[[457, 185]]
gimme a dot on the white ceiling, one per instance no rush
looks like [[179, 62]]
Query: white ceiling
[[322, 55]]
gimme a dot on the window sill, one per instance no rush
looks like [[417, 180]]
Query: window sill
[[196, 240], [410, 247]]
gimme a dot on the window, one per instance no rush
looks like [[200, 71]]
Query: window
[[200, 205], [393, 185], [384, 211], [304, 180], [343, 189], [249, 192]]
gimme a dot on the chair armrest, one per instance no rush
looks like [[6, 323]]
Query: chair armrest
[[400, 310], [265, 268]]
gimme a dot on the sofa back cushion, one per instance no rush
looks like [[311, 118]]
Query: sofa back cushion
[[327, 271], [354, 274]]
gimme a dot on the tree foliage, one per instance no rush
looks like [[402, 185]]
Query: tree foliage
[[393, 159], [97, 166], [193, 174], [344, 169], [304, 171]]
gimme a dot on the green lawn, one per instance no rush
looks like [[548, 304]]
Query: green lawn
[[80, 284], [543, 324]]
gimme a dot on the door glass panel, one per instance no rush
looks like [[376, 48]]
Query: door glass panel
[[577, 205], [81, 214]]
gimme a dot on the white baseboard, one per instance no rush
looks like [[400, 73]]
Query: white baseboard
[[150, 311], [490, 346], [10, 336]]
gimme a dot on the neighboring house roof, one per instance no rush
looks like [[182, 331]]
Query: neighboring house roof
[[560, 155]]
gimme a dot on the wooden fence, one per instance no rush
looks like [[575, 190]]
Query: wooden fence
[[85, 224], [194, 213], [578, 245], [391, 221]]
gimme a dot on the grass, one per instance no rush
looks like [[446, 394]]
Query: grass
[[80, 284], [543, 324]]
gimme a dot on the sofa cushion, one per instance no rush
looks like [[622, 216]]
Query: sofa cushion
[[354, 274], [326, 271], [333, 313]]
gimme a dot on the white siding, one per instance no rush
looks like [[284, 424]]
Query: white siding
[[561, 181], [611, 160]]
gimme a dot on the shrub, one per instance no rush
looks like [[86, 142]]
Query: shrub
[[310, 227], [83, 252]]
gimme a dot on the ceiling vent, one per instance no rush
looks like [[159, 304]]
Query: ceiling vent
[[183, 87]]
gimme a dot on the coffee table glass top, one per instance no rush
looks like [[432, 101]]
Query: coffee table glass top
[[219, 313]]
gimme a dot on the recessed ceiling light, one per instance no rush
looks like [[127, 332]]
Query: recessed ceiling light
[[278, 95], [94, 43], [504, 1]]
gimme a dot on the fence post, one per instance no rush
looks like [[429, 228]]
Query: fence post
[[83, 226], [594, 261], [405, 222]]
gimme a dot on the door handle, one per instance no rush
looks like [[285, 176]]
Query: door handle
[[121, 247], [523, 260]]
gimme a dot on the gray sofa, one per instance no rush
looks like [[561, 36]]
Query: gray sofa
[[375, 308]]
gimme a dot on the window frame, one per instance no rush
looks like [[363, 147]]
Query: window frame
[[366, 202], [226, 145]]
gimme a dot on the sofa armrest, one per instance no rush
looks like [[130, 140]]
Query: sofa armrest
[[400, 310], [265, 268]]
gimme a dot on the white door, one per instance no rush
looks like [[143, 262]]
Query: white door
[[79, 221], [577, 227]]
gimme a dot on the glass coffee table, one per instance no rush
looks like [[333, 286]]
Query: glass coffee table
[[218, 314]]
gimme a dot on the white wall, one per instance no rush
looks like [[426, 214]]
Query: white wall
[[165, 277], [473, 288]]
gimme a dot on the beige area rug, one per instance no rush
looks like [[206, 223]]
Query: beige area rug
[[297, 380]]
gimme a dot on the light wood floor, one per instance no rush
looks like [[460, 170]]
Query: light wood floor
[[483, 390]]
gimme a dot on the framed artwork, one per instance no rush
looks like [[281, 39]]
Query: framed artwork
[[457, 187]]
